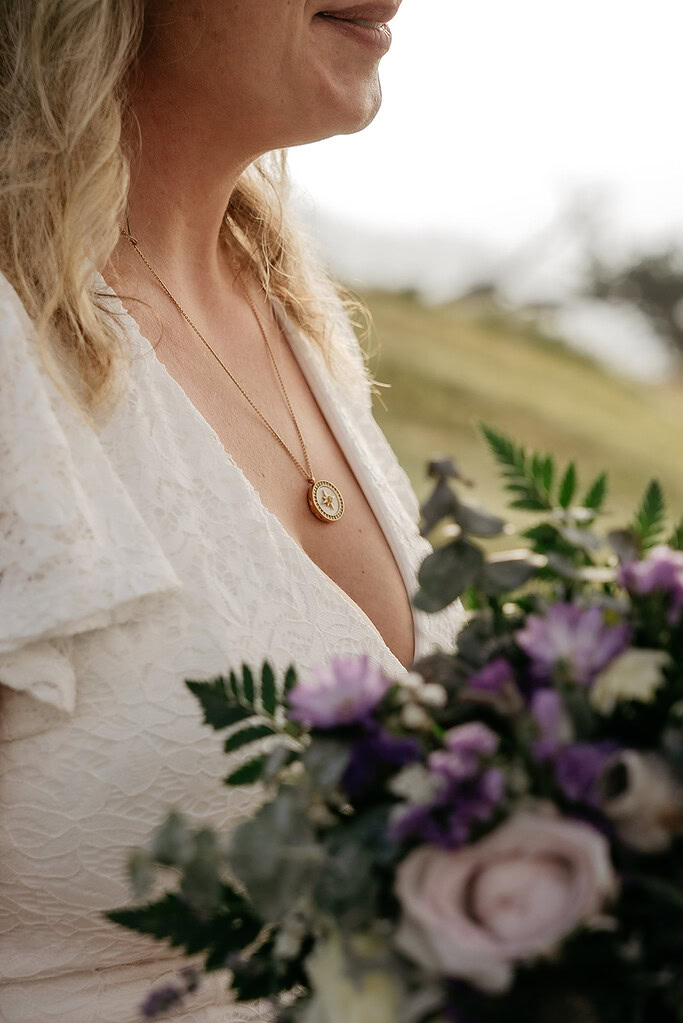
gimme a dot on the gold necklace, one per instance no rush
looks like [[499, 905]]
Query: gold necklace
[[324, 498]]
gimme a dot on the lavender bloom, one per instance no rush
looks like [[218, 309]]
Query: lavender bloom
[[375, 752], [492, 677], [465, 795], [496, 686], [578, 639], [548, 712], [465, 746], [661, 571], [342, 692], [458, 806], [578, 768]]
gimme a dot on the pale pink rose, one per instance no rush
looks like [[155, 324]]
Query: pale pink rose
[[475, 912]]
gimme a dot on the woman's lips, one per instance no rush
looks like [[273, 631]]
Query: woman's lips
[[373, 34]]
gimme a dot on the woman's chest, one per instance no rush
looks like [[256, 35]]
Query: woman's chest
[[260, 443]]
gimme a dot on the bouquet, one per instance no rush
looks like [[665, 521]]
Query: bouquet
[[495, 836]]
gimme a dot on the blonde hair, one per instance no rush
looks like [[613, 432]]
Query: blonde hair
[[64, 179]]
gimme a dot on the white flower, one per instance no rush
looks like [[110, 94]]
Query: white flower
[[416, 784], [633, 675], [647, 807], [433, 695], [355, 988], [415, 717]]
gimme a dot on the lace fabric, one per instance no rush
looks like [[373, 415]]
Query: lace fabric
[[122, 573]]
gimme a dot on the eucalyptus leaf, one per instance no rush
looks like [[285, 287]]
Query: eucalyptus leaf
[[140, 872], [447, 572], [441, 503], [275, 854], [477, 521], [624, 544], [582, 538], [325, 761], [501, 577], [172, 843], [201, 880]]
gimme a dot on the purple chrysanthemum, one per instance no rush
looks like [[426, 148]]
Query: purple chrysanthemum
[[341, 692], [574, 638], [661, 571]]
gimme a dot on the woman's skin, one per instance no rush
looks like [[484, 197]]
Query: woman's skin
[[220, 82]]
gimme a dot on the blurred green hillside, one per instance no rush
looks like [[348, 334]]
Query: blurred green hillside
[[451, 366]]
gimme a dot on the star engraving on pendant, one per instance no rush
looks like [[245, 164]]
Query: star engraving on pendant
[[327, 500]]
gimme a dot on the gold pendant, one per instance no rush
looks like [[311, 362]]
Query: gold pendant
[[325, 501]]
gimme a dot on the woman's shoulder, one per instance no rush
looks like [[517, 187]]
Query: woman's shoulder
[[75, 552]]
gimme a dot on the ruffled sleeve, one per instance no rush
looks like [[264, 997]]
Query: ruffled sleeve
[[75, 552]]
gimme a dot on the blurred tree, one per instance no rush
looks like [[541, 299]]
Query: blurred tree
[[654, 284]]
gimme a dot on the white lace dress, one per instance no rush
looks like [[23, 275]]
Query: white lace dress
[[131, 560]]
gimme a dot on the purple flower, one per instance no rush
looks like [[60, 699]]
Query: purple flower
[[492, 677], [160, 1000], [342, 692], [555, 729], [448, 821], [661, 571], [375, 753], [578, 768], [465, 746], [574, 638]]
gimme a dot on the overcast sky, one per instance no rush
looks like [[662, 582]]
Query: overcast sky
[[496, 110]]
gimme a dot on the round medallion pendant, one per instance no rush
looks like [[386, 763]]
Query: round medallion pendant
[[325, 501]]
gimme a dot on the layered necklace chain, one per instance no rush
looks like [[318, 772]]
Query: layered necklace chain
[[324, 498]]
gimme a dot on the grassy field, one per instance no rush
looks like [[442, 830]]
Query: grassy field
[[449, 367]]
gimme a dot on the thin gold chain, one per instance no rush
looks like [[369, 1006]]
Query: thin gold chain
[[308, 473]]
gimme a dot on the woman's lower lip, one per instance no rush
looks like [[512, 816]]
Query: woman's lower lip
[[377, 39]]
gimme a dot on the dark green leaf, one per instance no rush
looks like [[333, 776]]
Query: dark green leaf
[[596, 494], [248, 685], [248, 773], [171, 919], [247, 735], [648, 524], [529, 504], [290, 678], [568, 486], [548, 473], [523, 474], [219, 705], [446, 573], [676, 538], [235, 687], [268, 692]]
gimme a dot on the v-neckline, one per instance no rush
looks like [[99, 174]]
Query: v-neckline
[[304, 355]]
